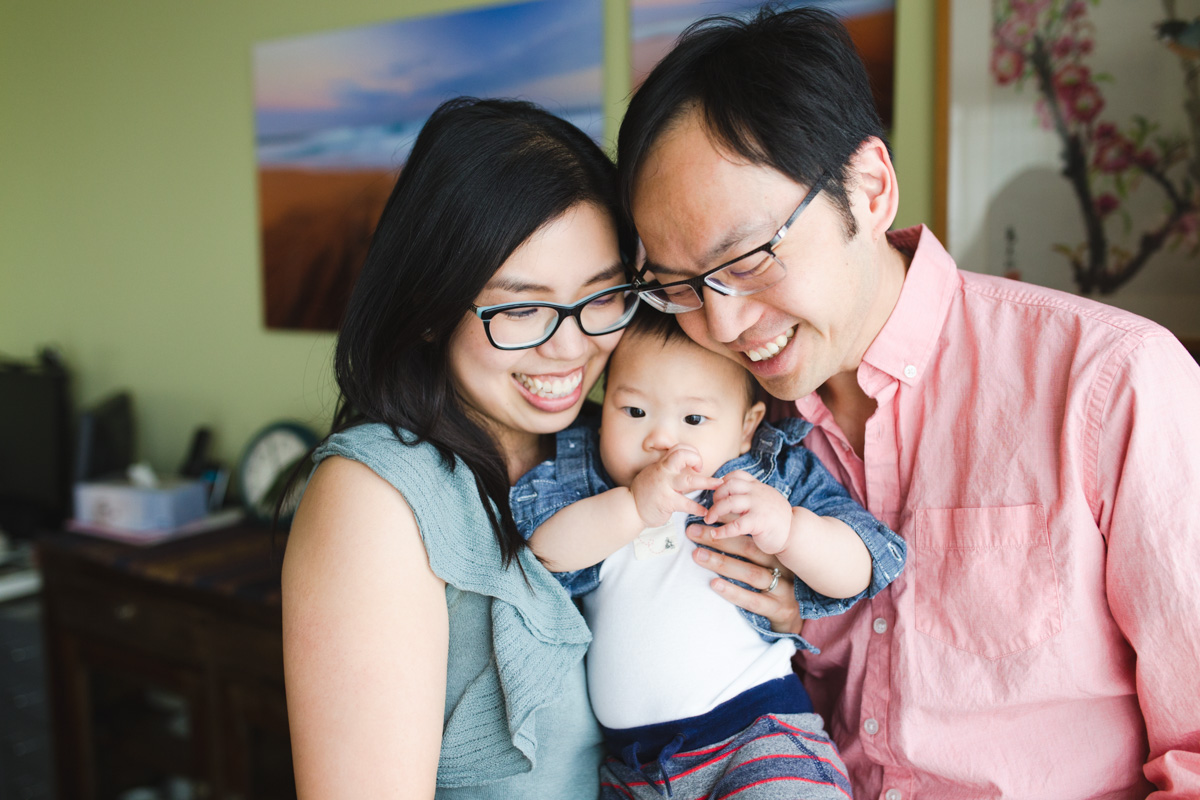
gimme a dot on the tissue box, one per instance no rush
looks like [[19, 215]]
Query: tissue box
[[120, 504]]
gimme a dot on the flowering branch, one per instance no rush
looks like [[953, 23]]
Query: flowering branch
[[1048, 40]]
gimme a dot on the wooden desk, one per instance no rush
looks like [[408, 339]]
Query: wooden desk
[[166, 667]]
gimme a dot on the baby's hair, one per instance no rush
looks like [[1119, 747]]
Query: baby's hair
[[665, 328]]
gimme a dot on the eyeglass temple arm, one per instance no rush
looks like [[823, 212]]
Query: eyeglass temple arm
[[813, 190]]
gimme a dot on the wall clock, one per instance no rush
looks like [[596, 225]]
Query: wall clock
[[265, 464]]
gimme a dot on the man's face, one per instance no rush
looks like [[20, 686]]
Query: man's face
[[696, 206]]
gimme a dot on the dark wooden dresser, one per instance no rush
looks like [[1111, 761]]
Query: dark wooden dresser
[[166, 667]]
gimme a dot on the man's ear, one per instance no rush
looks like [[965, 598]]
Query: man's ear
[[874, 192], [754, 415]]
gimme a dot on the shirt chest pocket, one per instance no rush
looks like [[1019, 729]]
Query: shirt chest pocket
[[985, 578]]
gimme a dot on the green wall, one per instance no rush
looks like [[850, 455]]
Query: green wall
[[128, 234]]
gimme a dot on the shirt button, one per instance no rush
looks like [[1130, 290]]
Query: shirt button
[[892, 794], [871, 726], [909, 372], [880, 625]]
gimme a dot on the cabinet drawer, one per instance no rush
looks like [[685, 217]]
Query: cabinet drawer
[[21, 658], [23, 701], [133, 619], [246, 650]]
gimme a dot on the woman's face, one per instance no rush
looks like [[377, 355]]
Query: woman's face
[[521, 394]]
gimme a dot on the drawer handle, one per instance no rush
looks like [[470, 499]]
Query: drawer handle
[[126, 611]]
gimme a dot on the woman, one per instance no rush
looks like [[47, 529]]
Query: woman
[[425, 648]]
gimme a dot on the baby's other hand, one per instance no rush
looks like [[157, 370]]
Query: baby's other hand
[[662, 488], [758, 510]]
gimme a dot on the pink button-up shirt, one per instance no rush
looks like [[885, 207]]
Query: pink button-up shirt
[[1040, 454]]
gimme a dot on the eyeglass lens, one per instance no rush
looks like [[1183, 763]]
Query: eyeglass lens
[[750, 274], [527, 326]]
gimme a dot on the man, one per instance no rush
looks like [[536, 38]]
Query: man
[[1040, 453]]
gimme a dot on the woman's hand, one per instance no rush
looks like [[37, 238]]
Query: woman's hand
[[778, 605]]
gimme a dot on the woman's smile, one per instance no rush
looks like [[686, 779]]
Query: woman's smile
[[551, 386]]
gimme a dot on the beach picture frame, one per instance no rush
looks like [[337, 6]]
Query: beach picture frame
[[1069, 149], [336, 114]]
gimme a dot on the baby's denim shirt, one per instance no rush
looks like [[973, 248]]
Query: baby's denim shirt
[[776, 458]]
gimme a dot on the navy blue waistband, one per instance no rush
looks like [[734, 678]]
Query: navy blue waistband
[[784, 695]]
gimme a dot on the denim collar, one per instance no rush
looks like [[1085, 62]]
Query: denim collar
[[577, 453], [762, 459]]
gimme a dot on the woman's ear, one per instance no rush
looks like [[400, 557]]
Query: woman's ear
[[754, 415]]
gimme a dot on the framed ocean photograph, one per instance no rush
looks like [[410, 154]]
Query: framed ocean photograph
[[1072, 143], [655, 24], [336, 114]]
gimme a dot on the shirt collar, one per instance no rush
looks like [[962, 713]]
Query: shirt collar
[[904, 345]]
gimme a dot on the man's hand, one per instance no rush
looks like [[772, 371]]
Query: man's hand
[[778, 605], [662, 488]]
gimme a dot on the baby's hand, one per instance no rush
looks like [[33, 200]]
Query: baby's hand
[[759, 511], [661, 488]]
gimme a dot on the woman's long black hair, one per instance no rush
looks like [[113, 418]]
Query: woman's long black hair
[[483, 176]]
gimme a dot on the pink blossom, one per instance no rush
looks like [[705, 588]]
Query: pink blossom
[[1146, 158], [1045, 119], [1113, 154], [1105, 131], [1188, 227], [1106, 203], [1083, 104], [1079, 98], [1085, 46], [1016, 33], [1007, 65], [1075, 10], [1029, 8], [1071, 76], [1062, 48]]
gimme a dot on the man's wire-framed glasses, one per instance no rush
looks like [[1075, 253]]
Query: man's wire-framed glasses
[[749, 273]]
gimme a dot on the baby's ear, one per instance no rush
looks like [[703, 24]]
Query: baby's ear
[[754, 415]]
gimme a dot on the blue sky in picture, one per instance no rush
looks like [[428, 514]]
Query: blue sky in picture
[[670, 17], [356, 98]]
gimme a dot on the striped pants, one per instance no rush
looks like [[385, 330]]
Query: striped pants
[[779, 757]]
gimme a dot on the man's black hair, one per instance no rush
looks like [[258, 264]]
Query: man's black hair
[[784, 89]]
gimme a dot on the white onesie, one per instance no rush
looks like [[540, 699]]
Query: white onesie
[[665, 646]]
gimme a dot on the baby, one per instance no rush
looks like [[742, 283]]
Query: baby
[[696, 696]]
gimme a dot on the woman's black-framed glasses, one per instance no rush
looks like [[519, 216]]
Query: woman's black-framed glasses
[[518, 326], [747, 274]]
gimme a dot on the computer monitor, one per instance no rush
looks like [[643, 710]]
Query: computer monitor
[[105, 446], [35, 446]]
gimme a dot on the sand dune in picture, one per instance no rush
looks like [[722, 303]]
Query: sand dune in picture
[[316, 226]]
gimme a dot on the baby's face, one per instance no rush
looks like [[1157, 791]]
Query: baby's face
[[659, 395]]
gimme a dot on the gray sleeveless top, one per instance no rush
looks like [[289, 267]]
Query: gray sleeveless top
[[517, 720]]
